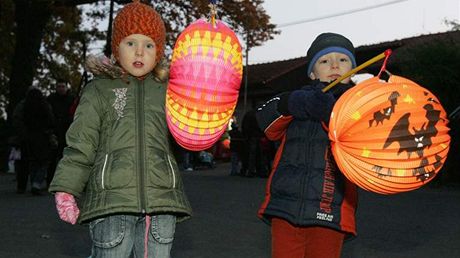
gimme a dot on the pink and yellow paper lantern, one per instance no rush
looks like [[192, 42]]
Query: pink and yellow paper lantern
[[205, 77]]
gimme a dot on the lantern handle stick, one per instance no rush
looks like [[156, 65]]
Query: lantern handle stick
[[358, 68]]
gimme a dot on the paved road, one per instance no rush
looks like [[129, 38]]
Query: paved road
[[419, 224]]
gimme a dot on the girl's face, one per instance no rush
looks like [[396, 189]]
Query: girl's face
[[137, 54], [331, 66]]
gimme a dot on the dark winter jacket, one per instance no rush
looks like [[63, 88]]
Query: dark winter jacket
[[34, 137], [237, 140], [61, 105], [305, 186], [119, 158]]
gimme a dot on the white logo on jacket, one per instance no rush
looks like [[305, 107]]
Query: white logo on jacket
[[120, 101], [324, 216]]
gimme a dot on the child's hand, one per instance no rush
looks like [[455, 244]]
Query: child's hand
[[67, 207], [311, 102]]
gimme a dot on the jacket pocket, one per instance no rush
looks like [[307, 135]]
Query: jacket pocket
[[103, 171], [99, 171], [173, 171], [161, 171], [119, 169]]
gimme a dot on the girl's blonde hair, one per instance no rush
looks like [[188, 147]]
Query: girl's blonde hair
[[161, 70]]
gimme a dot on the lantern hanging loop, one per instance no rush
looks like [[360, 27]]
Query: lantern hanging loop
[[384, 65], [385, 55], [213, 11]]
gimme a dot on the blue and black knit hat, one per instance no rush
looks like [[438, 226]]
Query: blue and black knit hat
[[326, 43]]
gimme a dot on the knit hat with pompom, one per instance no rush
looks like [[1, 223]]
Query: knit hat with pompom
[[139, 18]]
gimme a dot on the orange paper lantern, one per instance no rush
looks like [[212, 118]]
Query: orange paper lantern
[[389, 137]]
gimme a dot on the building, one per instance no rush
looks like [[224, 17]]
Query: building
[[267, 79]]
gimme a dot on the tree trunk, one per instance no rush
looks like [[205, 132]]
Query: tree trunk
[[31, 18], [108, 40]]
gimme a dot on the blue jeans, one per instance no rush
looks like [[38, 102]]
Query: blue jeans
[[122, 236]]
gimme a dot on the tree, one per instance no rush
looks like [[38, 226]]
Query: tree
[[30, 18], [6, 48], [48, 42], [453, 24]]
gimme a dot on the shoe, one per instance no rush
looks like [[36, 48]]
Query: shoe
[[189, 169]]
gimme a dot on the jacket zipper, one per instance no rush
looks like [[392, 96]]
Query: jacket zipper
[[173, 172], [140, 143], [103, 170]]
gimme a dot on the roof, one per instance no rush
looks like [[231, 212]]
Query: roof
[[265, 72], [262, 74]]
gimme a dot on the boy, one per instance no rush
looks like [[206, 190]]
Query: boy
[[309, 203]]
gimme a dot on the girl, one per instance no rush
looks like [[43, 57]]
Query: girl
[[119, 161]]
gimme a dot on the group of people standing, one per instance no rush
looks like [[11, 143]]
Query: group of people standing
[[40, 124], [251, 152]]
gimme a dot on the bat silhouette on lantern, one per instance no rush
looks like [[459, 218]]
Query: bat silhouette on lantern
[[379, 116], [415, 141]]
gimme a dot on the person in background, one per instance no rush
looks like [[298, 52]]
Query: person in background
[[188, 159], [236, 145], [252, 163], [34, 123], [61, 102], [309, 203], [268, 153], [119, 163]]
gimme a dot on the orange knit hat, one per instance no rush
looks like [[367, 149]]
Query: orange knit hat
[[138, 18]]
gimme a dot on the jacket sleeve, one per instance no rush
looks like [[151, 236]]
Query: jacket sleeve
[[73, 170], [273, 118]]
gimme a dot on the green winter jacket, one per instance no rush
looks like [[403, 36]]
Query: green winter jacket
[[118, 158]]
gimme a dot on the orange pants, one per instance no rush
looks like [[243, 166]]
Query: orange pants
[[289, 241]]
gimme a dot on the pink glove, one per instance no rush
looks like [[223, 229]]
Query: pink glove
[[67, 207]]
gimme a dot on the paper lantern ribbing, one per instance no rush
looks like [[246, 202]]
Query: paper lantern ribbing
[[389, 137], [205, 77]]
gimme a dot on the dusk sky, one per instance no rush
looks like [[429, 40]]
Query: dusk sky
[[390, 20]]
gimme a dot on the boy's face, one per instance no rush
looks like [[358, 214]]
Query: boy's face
[[137, 54], [331, 66]]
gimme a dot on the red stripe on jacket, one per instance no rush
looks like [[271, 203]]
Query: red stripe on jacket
[[347, 220]]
